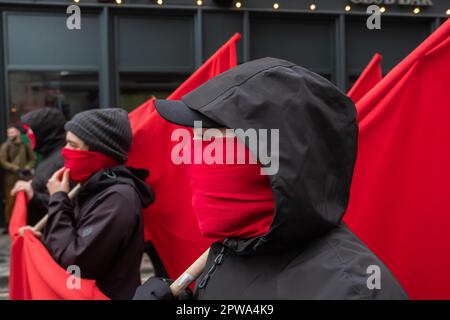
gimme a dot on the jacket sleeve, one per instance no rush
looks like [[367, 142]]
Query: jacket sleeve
[[92, 242], [156, 288], [39, 202], [4, 159]]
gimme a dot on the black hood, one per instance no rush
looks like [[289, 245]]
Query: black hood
[[118, 175], [317, 143], [48, 128]]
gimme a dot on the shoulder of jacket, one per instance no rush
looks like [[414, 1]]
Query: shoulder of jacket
[[117, 199], [120, 190]]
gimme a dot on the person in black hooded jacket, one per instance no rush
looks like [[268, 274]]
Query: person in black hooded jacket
[[46, 130], [305, 250], [101, 230]]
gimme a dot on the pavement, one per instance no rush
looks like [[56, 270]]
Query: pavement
[[5, 245]]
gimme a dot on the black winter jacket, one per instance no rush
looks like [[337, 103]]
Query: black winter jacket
[[38, 205], [101, 231], [48, 127]]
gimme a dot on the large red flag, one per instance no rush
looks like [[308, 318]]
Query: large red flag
[[399, 204], [34, 275], [367, 80], [170, 222]]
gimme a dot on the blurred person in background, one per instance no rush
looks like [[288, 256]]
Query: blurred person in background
[[17, 159]]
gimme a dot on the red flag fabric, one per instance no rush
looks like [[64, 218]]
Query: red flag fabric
[[170, 222], [399, 204], [367, 80], [222, 60], [19, 215], [34, 275]]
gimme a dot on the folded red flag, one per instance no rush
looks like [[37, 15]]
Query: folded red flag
[[170, 222], [399, 204], [34, 275], [19, 215], [367, 80]]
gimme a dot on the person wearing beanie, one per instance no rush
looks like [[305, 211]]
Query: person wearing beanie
[[100, 230], [45, 130]]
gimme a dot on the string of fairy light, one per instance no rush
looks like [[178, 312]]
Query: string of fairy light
[[276, 6]]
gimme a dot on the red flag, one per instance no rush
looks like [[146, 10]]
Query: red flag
[[171, 222], [34, 275], [222, 60], [399, 204], [19, 215], [367, 80]]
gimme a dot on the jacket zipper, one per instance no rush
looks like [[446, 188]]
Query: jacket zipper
[[217, 262]]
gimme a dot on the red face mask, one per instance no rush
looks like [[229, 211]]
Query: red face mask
[[231, 200], [83, 164], [30, 136]]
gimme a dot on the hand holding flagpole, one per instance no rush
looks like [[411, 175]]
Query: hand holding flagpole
[[38, 227], [190, 275], [41, 224]]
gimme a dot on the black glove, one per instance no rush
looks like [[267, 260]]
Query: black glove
[[159, 289], [25, 174]]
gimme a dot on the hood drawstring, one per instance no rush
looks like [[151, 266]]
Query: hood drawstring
[[217, 262], [110, 174]]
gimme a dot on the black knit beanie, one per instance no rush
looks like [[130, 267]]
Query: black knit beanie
[[107, 131]]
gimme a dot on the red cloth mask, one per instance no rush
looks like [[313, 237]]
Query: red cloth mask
[[83, 164], [30, 136], [231, 200]]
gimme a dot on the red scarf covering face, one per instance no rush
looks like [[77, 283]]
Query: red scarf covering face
[[30, 135], [83, 164], [231, 200]]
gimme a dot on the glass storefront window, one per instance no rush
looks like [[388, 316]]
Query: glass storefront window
[[136, 88], [69, 91]]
